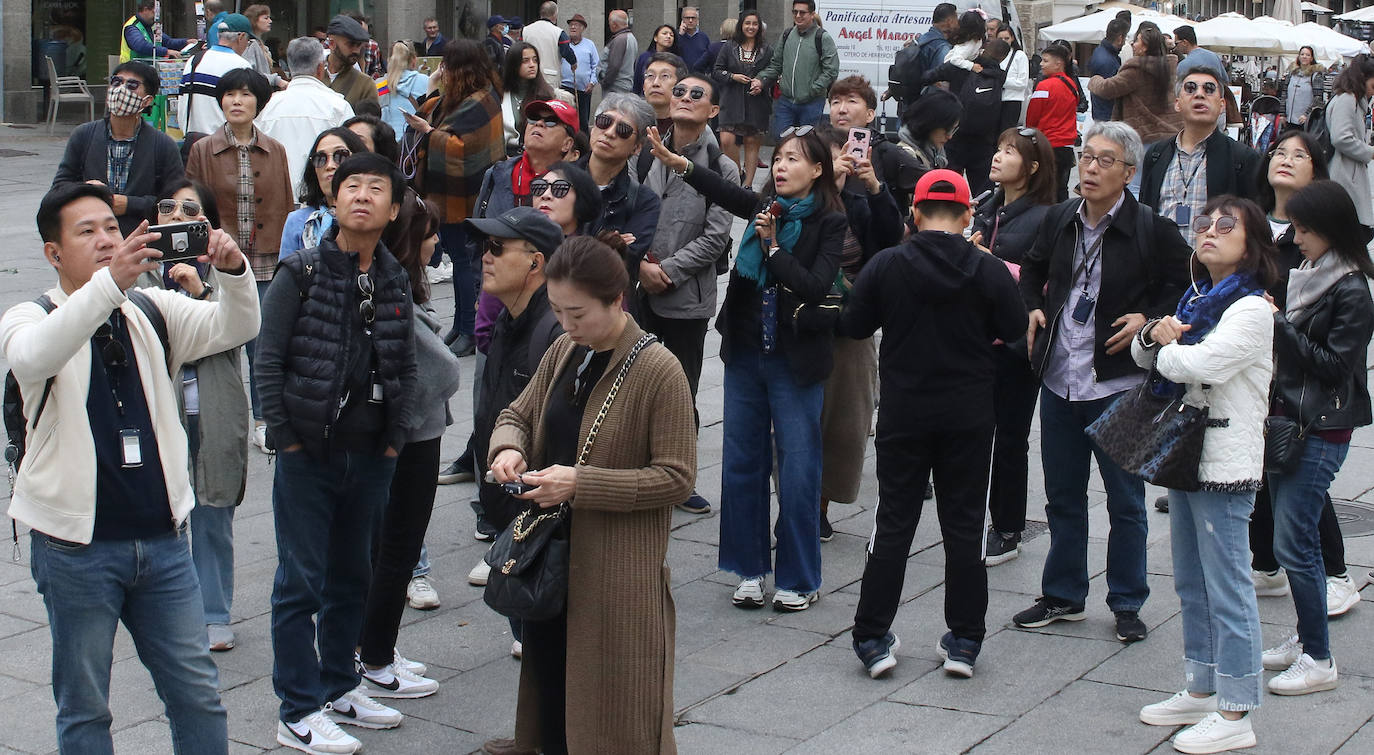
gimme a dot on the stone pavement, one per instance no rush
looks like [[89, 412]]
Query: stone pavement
[[747, 681]]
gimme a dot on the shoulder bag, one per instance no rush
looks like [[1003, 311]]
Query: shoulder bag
[[529, 561], [1157, 438]]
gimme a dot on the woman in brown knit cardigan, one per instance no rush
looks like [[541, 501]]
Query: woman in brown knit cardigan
[[600, 678], [1144, 88]]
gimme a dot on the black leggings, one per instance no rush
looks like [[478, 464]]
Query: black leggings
[[1262, 536], [545, 654], [396, 547]]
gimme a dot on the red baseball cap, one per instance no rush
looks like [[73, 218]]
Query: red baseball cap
[[943, 185], [560, 109]]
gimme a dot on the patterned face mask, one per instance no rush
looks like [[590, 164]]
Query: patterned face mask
[[122, 103]]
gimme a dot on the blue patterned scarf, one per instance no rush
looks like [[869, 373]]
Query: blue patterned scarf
[[1202, 307], [749, 261]]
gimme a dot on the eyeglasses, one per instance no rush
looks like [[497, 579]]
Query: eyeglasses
[[321, 159], [1225, 224], [132, 83], [559, 187], [660, 76], [795, 131], [1029, 133], [189, 207], [111, 348], [682, 91], [497, 247], [1297, 157], [1208, 87], [622, 129], [367, 308], [1104, 161]]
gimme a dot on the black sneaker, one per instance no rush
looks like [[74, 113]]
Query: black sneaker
[[1001, 547], [959, 654], [1047, 611], [695, 504], [485, 532], [455, 473], [877, 655], [1129, 627], [827, 532], [1162, 504]]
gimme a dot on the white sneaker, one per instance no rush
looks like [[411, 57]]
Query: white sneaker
[[422, 595], [402, 662], [749, 594], [791, 600], [1341, 595], [394, 682], [316, 734], [357, 709], [1180, 709], [1305, 676], [517, 650], [478, 575], [1269, 584], [260, 439], [443, 272], [1283, 656], [1214, 733]]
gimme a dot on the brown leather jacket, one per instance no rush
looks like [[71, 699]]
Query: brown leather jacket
[[214, 163]]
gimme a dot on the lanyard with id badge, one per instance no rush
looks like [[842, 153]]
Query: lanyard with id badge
[[1183, 212], [1083, 308], [115, 358]]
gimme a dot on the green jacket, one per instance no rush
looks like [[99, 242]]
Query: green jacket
[[801, 75]]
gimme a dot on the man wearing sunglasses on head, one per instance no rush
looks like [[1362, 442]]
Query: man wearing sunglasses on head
[[677, 277], [135, 161], [336, 368], [104, 486], [1179, 175]]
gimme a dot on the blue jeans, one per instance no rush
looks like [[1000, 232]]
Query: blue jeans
[[1221, 626], [1298, 501], [762, 393], [212, 550], [787, 113], [467, 277], [323, 509], [421, 564], [151, 586], [1066, 455], [252, 348]]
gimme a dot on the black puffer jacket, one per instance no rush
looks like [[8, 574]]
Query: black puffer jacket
[[1320, 358], [304, 347], [1009, 230]]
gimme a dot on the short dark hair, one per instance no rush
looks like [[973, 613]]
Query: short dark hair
[[938, 109], [1185, 34], [1327, 210], [146, 4], [312, 194], [854, 85], [671, 59], [58, 197], [941, 208], [209, 207], [1261, 256], [1267, 201], [996, 50], [593, 267], [372, 164], [368, 108], [244, 78], [383, 136], [711, 92], [141, 70], [944, 12], [587, 202], [1117, 27], [810, 4]]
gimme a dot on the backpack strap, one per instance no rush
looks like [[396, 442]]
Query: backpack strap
[[150, 310], [48, 306]]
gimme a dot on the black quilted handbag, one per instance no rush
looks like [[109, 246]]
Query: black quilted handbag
[[1158, 438], [529, 561]]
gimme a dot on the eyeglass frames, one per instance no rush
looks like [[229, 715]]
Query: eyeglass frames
[[321, 159], [681, 91], [189, 207], [622, 129], [560, 187], [1225, 224], [1105, 161]]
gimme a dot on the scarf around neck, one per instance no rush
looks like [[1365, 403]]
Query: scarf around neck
[[1311, 280], [1201, 307], [749, 261]]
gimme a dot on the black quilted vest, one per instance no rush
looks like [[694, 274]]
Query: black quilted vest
[[317, 363]]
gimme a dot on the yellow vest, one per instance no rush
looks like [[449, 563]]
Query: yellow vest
[[125, 53]]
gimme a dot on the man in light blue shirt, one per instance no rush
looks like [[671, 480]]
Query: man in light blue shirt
[[1191, 57], [581, 82]]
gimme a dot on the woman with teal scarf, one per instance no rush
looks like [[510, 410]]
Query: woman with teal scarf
[[1217, 351], [775, 366]]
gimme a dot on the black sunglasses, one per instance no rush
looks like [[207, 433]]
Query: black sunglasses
[[559, 187], [497, 247], [546, 122], [796, 131], [681, 91], [111, 349], [321, 159], [366, 307], [1208, 87], [622, 129], [189, 207], [132, 83], [1225, 224]]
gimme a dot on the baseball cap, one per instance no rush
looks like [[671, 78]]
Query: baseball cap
[[942, 185], [494, 20], [234, 22], [560, 109], [516, 22], [578, 19], [346, 27], [521, 223]]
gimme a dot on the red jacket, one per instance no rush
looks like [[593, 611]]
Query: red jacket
[[1053, 109]]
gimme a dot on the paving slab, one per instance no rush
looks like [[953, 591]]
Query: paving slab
[[889, 727], [1084, 717]]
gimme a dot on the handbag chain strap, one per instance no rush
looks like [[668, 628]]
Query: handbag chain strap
[[519, 532]]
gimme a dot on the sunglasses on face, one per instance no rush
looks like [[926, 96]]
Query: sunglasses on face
[[546, 121], [697, 93], [1209, 88], [1225, 224], [189, 207], [796, 131], [321, 159], [111, 348], [132, 84], [622, 129], [367, 308], [560, 188], [497, 247]]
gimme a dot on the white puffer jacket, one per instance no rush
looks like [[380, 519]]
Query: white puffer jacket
[[1235, 361]]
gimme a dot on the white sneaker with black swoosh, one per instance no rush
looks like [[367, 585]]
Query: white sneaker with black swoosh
[[394, 682], [316, 734], [357, 709]]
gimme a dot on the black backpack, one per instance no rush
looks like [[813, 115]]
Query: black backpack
[[906, 72], [1317, 128], [713, 157], [982, 99]]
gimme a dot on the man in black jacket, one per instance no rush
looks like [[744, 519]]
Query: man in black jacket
[[336, 370], [941, 303], [1100, 268], [136, 161]]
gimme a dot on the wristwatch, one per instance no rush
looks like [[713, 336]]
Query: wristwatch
[[205, 292]]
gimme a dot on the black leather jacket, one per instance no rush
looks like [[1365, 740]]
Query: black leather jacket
[[1320, 358]]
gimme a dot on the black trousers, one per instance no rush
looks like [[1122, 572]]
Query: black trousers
[[1011, 116], [973, 157], [545, 653], [1063, 164], [1262, 536], [686, 339], [396, 547], [584, 107], [959, 458], [1014, 406]]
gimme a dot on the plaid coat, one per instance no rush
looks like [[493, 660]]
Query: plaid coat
[[457, 153]]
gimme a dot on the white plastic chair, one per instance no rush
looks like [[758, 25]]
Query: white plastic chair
[[66, 89]]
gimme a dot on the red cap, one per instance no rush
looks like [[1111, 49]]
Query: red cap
[[560, 109], [943, 185]]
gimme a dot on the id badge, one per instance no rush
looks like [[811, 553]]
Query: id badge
[[132, 450], [1183, 215], [1083, 309]]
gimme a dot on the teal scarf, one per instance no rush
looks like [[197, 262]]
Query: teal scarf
[[749, 261]]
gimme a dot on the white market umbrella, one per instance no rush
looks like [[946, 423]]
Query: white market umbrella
[[1330, 45], [1093, 27], [1287, 10], [1308, 7], [1234, 34], [1365, 14]]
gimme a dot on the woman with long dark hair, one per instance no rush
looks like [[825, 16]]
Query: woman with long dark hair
[[743, 116], [305, 226], [521, 82], [1144, 87], [663, 40], [1321, 339], [1304, 88], [777, 358], [1347, 120], [1017, 86]]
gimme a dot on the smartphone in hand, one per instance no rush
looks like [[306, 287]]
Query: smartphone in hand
[[859, 143]]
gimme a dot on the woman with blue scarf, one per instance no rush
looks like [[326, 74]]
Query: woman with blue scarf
[[306, 225], [1217, 351], [777, 355]]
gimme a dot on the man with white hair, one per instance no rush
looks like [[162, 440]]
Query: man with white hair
[[618, 60], [198, 109], [306, 107]]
